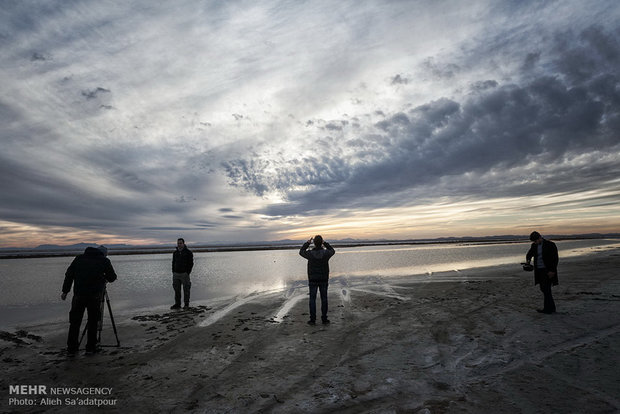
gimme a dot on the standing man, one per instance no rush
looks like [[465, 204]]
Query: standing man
[[182, 264], [545, 255], [89, 273], [318, 274]]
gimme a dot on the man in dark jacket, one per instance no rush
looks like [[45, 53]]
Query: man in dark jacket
[[318, 274], [89, 273], [545, 254], [182, 264]]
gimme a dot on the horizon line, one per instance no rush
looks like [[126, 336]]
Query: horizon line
[[287, 243]]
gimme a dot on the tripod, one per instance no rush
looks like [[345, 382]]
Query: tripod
[[104, 298]]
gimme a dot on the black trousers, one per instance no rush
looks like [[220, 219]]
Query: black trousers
[[322, 288], [545, 288], [80, 303], [178, 280]]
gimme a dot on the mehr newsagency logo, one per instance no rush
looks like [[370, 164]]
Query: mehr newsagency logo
[[42, 396]]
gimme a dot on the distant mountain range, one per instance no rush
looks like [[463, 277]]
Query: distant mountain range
[[54, 250]]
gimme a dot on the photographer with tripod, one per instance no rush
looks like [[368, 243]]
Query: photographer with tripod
[[89, 273]]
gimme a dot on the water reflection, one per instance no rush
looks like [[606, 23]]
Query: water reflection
[[30, 288]]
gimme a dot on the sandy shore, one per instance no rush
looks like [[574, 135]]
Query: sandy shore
[[472, 346]]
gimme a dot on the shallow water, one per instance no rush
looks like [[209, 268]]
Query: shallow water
[[30, 288]]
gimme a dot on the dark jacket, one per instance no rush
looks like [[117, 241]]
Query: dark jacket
[[318, 261], [182, 261], [89, 273], [549, 256]]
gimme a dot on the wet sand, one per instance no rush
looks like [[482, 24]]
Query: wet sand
[[393, 345]]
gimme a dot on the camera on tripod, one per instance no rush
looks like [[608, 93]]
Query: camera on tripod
[[104, 299]]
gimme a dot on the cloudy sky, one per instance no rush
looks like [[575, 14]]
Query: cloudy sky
[[142, 121]]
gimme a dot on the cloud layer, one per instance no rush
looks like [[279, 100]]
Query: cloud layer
[[555, 129], [252, 121]]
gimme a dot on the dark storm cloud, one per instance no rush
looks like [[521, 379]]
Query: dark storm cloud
[[94, 93], [531, 60], [38, 57], [254, 175], [248, 174], [232, 216], [184, 199], [206, 225], [396, 80], [447, 71], [336, 126], [596, 51], [546, 120], [484, 85]]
